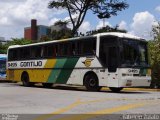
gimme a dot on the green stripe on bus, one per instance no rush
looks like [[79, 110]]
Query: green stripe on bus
[[67, 70], [56, 71]]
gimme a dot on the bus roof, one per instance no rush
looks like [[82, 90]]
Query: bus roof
[[121, 35], [116, 34]]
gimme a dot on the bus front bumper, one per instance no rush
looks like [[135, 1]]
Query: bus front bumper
[[134, 81]]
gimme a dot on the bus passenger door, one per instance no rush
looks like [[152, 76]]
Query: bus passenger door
[[112, 64], [112, 59], [109, 58]]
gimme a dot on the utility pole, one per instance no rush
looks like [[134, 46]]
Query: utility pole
[[104, 22]]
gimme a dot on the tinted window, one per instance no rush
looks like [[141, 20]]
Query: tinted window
[[50, 50], [2, 66], [24, 53], [13, 54], [85, 47], [109, 49], [35, 52]]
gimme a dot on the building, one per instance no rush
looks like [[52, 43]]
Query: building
[[2, 40], [36, 32], [43, 31]]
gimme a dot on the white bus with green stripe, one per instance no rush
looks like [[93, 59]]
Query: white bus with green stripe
[[114, 60]]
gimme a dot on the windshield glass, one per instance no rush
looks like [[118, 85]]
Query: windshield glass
[[2, 67], [134, 53]]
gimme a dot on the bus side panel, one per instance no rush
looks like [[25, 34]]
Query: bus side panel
[[14, 75], [83, 66], [62, 70], [35, 75], [17, 75]]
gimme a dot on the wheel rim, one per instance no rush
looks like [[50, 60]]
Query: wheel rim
[[92, 82]]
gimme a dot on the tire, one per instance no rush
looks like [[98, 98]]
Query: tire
[[91, 82], [116, 90], [25, 80], [47, 85]]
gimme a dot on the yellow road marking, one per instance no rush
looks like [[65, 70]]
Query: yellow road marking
[[104, 112], [69, 107], [79, 102], [142, 89], [135, 89], [43, 117]]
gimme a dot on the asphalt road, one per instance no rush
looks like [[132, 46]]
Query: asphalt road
[[67, 103]]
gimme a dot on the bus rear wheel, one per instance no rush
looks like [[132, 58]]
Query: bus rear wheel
[[91, 82], [47, 85], [114, 89], [25, 80]]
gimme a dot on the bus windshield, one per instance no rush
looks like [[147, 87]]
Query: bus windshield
[[134, 53], [2, 66]]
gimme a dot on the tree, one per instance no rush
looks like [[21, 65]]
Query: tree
[[105, 29], [154, 52], [14, 41], [61, 23], [61, 31], [62, 34], [45, 38], [102, 8]]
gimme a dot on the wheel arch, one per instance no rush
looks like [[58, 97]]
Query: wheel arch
[[23, 73]]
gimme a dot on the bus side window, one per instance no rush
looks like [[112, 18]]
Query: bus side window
[[59, 51], [68, 49], [42, 51], [64, 49], [25, 53], [73, 48], [38, 52], [79, 48], [88, 47], [11, 55], [54, 51], [49, 51]]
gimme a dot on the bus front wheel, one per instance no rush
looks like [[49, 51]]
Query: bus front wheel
[[114, 89], [91, 82], [25, 80]]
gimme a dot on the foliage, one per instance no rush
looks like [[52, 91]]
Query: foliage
[[14, 41], [104, 29], [62, 34], [154, 52], [45, 38], [79, 8], [61, 23]]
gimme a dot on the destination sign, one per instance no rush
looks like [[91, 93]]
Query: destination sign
[[26, 64]]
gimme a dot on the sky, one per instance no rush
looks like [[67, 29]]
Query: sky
[[138, 19]]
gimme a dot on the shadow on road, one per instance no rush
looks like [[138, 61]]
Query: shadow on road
[[74, 88]]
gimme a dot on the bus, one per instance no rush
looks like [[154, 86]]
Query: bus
[[3, 66], [114, 60]]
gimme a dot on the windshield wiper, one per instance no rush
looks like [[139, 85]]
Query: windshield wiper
[[135, 61]]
